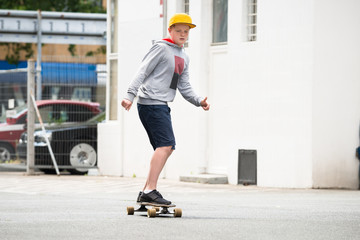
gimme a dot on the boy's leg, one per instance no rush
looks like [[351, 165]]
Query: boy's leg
[[157, 122], [158, 160]]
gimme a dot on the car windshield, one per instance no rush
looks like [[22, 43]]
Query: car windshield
[[98, 118]]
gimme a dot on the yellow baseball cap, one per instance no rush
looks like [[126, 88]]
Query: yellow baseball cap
[[182, 18]]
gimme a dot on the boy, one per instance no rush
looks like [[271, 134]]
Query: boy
[[163, 70]]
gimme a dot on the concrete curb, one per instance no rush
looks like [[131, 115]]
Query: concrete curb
[[205, 178]]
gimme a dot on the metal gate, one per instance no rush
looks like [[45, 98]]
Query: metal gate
[[73, 99]]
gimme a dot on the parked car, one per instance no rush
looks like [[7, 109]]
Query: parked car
[[53, 112], [74, 146]]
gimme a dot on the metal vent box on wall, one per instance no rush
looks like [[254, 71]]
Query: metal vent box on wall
[[247, 167]]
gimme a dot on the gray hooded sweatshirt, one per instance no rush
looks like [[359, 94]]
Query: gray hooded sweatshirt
[[164, 69]]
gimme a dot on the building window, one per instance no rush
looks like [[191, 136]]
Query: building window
[[252, 20], [112, 63], [113, 26], [220, 21], [186, 6]]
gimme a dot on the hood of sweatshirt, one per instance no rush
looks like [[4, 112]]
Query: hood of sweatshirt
[[169, 42]]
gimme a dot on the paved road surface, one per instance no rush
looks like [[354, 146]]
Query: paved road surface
[[89, 207]]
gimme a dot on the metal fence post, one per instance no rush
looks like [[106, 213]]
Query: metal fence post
[[30, 153], [38, 66]]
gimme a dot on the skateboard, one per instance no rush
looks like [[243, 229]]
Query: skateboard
[[155, 210]]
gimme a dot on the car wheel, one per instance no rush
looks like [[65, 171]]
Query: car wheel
[[82, 155], [6, 152]]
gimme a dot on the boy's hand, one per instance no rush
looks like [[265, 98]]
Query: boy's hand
[[204, 104], [126, 104]]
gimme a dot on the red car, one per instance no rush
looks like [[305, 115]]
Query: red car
[[52, 112]]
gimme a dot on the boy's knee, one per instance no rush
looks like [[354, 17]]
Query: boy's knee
[[167, 149]]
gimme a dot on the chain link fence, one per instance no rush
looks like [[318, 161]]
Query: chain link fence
[[73, 102]]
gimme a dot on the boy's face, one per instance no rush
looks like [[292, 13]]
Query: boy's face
[[179, 33]]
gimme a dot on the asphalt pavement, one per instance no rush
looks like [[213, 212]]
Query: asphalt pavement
[[94, 207]]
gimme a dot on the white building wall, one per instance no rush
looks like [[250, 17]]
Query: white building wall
[[267, 95], [139, 26], [123, 146], [261, 94], [336, 94]]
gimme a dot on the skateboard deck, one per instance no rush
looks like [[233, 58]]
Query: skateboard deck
[[155, 210]]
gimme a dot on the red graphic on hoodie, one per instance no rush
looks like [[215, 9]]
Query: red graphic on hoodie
[[179, 68]]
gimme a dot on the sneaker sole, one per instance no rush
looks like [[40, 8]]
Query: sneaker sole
[[155, 204]]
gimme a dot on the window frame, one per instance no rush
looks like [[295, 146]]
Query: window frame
[[251, 21], [225, 9]]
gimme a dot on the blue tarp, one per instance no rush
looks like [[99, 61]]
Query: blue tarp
[[54, 73], [4, 65]]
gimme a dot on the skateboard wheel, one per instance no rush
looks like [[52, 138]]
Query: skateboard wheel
[[157, 209], [151, 213], [130, 210], [177, 212]]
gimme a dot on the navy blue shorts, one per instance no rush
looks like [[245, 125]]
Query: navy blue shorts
[[156, 120]]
